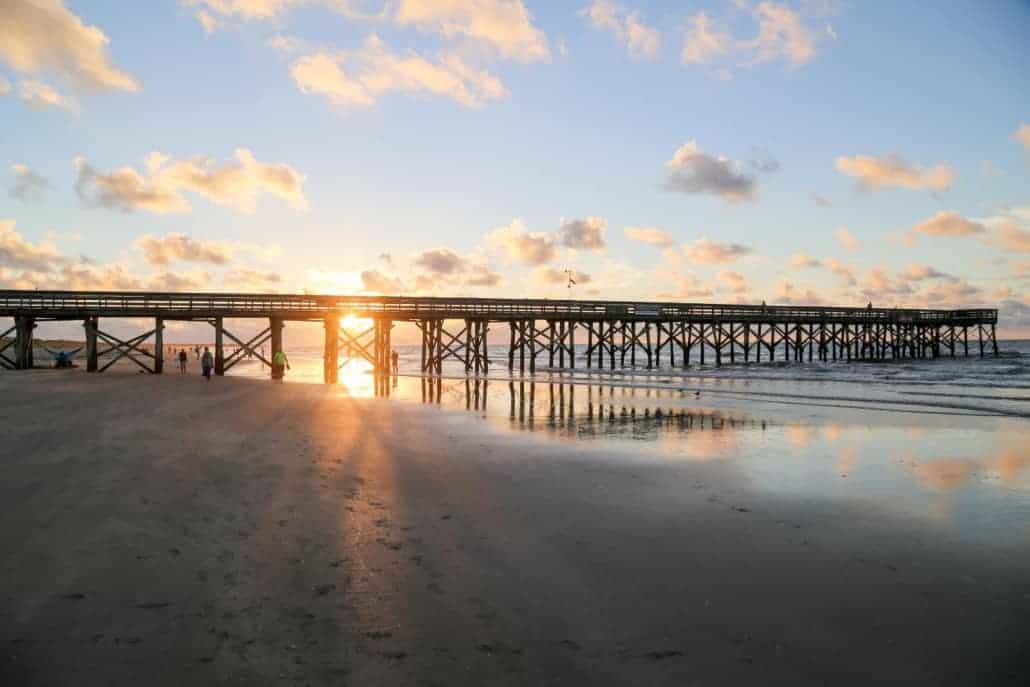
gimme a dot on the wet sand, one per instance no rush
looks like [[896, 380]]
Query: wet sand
[[166, 531]]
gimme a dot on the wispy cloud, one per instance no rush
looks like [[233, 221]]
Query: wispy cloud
[[640, 40], [891, 171]]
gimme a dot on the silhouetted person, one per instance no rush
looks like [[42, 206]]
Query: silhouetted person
[[182, 360], [197, 351], [280, 363], [206, 363], [395, 357]]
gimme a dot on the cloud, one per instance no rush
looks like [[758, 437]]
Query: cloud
[[734, 281], [376, 281], [503, 26], [786, 292], [196, 280], [359, 78], [88, 276], [27, 183], [17, 253], [245, 278], [5, 86], [875, 173], [877, 283], [821, 201], [528, 248], [781, 35], [208, 22], [163, 250], [550, 276], [846, 239], [43, 36], [583, 234], [916, 272], [440, 261], [481, 275], [803, 261], [235, 184], [707, 252], [949, 223], [1022, 135], [640, 40], [702, 42], [39, 96], [246, 9], [649, 235], [841, 270], [687, 286], [690, 170], [1011, 236]]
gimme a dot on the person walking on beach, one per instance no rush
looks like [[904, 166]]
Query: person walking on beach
[[182, 360], [280, 363], [395, 359], [206, 363]]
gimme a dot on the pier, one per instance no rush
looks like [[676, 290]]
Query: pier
[[540, 332]]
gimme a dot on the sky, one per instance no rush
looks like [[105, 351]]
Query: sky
[[814, 152]]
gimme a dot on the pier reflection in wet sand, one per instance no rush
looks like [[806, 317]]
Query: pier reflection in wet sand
[[580, 411]]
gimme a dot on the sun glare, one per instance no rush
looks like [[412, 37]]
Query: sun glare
[[355, 324]]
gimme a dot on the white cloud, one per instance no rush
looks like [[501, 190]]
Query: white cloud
[[360, 77], [36, 95], [650, 235], [519, 245], [195, 280], [235, 184], [691, 170], [43, 36], [162, 250], [874, 173], [703, 42], [503, 26], [583, 234], [787, 292], [208, 21], [707, 252], [377, 281], [734, 282], [781, 35], [803, 261], [640, 40], [16, 252], [1022, 135], [248, 279], [841, 270], [917, 272], [949, 223], [846, 239], [440, 261], [27, 183]]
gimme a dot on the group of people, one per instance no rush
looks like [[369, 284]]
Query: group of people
[[280, 361]]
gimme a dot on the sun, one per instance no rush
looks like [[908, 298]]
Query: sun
[[355, 324]]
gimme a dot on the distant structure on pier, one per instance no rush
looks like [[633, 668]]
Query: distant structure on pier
[[616, 332]]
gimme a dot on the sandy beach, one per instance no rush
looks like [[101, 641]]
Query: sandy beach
[[162, 530]]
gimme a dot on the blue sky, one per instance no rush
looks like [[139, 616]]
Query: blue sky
[[455, 136]]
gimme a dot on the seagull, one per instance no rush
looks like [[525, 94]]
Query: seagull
[[572, 282]]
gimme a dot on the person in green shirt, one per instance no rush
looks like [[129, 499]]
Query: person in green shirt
[[279, 363]]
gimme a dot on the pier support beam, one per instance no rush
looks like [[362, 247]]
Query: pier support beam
[[159, 345], [276, 326], [91, 325], [219, 346], [331, 352], [23, 327]]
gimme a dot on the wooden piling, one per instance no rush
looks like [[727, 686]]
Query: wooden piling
[[276, 325], [159, 345], [330, 350], [91, 325]]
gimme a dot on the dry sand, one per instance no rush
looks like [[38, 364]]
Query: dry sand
[[168, 531]]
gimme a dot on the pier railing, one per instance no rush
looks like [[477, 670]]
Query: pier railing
[[74, 304]]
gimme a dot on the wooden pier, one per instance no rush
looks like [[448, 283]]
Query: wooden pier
[[541, 333]]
